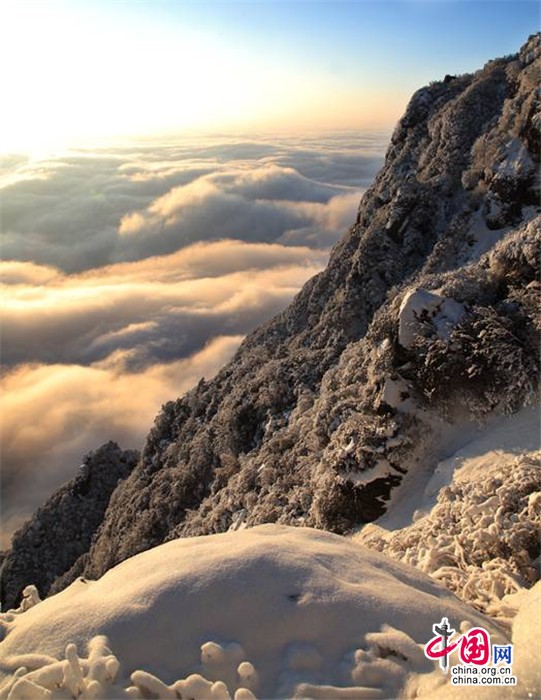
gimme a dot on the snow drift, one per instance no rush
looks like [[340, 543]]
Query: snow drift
[[266, 609], [473, 523], [424, 327]]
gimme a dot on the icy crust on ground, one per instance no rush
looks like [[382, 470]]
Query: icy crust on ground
[[270, 611], [481, 538]]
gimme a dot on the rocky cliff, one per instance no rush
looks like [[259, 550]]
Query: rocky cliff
[[61, 531], [424, 323]]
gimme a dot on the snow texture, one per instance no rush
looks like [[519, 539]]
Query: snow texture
[[268, 612], [420, 308], [477, 524], [427, 313], [378, 395]]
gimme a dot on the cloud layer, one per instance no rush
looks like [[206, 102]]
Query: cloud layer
[[92, 356], [53, 414], [88, 209], [130, 273], [159, 309]]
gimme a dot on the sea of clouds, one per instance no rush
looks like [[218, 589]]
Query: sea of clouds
[[130, 272]]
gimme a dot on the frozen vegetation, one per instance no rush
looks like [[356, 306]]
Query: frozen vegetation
[[61, 531], [424, 324], [278, 612], [394, 403], [475, 524]]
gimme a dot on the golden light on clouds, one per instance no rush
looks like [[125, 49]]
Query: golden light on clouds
[[132, 271], [133, 336], [68, 408], [139, 252]]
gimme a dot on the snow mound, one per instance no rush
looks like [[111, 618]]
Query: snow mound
[[270, 611], [435, 686]]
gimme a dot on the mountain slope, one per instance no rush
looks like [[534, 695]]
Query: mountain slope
[[424, 322], [62, 529]]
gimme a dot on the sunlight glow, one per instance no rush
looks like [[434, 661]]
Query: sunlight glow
[[75, 76], [71, 76]]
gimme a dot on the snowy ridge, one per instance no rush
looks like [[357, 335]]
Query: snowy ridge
[[384, 393], [62, 529], [429, 308]]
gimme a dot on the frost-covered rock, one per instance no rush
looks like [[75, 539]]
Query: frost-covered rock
[[424, 312]]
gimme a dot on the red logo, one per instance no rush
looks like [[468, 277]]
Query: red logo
[[474, 646]]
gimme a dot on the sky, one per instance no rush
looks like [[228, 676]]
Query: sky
[[172, 173], [87, 69]]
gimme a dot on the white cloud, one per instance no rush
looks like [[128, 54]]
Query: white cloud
[[94, 355], [75, 211], [161, 308]]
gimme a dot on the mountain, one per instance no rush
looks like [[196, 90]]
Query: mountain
[[424, 325], [62, 529]]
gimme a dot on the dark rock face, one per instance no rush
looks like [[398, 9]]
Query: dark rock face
[[61, 531], [427, 310]]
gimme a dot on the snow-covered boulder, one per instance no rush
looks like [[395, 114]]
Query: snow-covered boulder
[[265, 611], [422, 310]]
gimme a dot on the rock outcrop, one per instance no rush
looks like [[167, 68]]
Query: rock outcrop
[[325, 409], [61, 531]]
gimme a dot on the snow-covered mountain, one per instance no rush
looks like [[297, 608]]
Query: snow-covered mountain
[[61, 531], [395, 389]]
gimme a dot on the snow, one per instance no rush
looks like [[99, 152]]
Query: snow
[[526, 640], [257, 612], [475, 521], [516, 162], [30, 597], [483, 238], [380, 470], [273, 611], [420, 308], [395, 392], [238, 519]]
